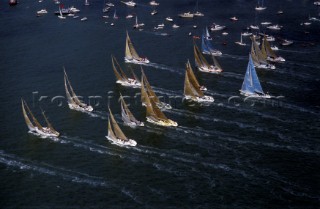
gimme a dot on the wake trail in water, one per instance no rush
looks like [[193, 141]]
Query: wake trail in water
[[165, 67], [67, 175]]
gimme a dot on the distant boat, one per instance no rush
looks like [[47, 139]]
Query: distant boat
[[169, 19], [269, 53], [246, 34], [60, 14], [13, 2], [286, 42], [84, 19], [216, 27], [234, 18], [197, 13], [129, 3], [73, 102], [154, 12], [202, 64], [138, 25], [240, 42], [115, 16], [207, 47], [109, 4], [36, 127], [127, 116], [254, 27], [317, 3], [186, 15], [259, 59], [148, 89], [86, 2], [266, 23], [116, 135], [154, 3], [153, 113], [260, 6], [175, 26], [191, 89], [274, 27], [122, 77], [193, 78], [207, 34], [131, 55], [251, 86]]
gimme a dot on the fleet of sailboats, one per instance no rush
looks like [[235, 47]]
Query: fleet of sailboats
[[122, 77], [35, 126], [259, 59], [73, 102], [115, 133], [268, 53], [192, 91], [251, 86], [202, 64], [131, 55]]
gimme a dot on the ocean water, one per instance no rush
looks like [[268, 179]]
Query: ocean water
[[235, 153]]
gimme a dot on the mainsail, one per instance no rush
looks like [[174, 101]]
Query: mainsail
[[192, 78], [115, 65], [200, 60], [266, 48], [130, 52], [256, 52], [206, 45], [190, 89], [251, 83], [149, 89], [126, 114], [115, 129], [71, 96], [49, 124], [216, 63], [25, 113]]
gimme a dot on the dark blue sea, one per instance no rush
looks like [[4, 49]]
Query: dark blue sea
[[234, 153]]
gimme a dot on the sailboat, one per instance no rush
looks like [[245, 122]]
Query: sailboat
[[151, 94], [197, 13], [191, 90], [116, 135], [207, 36], [73, 102], [259, 60], [269, 53], [202, 64], [129, 3], [251, 86], [60, 13], [131, 55], [153, 113], [86, 2], [193, 79], [138, 25], [122, 77], [127, 116], [240, 42], [35, 126], [115, 16], [207, 47], [260, 6]]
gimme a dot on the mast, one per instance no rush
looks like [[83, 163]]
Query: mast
[[251, 81], [25, 115], [116, 129], [130, 50], [37, 124], [199, 58], [120, 76], [150, 91]]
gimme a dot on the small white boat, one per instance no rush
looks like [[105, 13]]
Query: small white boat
[[84, 19], [138, 25], [86, 2], [129, 3], [109, 4], [186, 15], [274, 48], [234, 18], [280, 12], [259, 8], [306, 23], [270, 38], [154, 3], [254, 27], [175, 26], [216, 27], [240, 42], [317, 3], [129, 16], [266, 23], [225, 33], [169, 19], [198, 14], [286, 42], [275, 27], [154, 12], [72, 9], [246, 34], [42, 11]]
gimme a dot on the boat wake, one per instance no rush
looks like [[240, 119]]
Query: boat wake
[[165, 67]]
